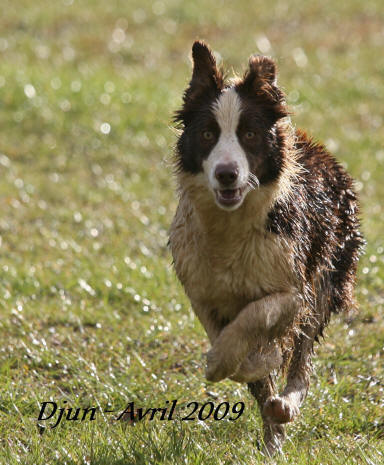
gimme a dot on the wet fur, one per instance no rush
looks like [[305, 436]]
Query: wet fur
[[263, 279]]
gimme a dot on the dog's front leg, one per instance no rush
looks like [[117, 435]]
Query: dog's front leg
[[254, 325], [259, 364], [285, 407], [210, 324]]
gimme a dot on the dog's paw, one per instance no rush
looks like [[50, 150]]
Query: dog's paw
[[219, 365], [274, 437], [278, 410]]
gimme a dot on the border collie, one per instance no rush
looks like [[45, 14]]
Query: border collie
[[265, 239]]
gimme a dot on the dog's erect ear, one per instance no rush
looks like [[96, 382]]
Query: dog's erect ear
[[205, 77], [261, 72], [260, 82]]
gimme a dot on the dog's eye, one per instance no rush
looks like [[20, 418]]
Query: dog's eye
[[250, 135], [208, 135]]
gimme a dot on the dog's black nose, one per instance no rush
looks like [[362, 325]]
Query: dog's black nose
[[226, 173]]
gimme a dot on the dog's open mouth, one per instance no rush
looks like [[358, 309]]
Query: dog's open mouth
[[229, 197]]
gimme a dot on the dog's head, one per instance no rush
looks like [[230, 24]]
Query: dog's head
[[229, 137]]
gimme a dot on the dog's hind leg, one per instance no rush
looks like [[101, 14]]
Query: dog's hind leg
[[284, 408], [274, 434]]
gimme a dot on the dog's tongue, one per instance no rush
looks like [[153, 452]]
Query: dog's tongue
[[228, 193]]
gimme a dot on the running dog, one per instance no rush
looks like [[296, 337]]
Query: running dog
[[265, 239]]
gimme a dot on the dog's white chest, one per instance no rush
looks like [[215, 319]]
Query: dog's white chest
[[226, 271]]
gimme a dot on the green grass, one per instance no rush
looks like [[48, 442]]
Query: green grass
[[91, 310]]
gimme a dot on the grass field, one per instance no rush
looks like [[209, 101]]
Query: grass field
[[91, 312]]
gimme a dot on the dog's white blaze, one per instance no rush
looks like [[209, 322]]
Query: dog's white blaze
[[227, 110]]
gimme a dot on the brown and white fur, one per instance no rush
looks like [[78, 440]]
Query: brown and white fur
[[265, 239]]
